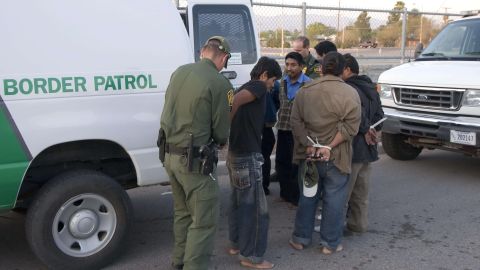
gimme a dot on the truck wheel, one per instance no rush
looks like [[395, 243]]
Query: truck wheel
[[396, 147], [79, 220]]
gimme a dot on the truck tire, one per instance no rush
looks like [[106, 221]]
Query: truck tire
[[79, 220], [396, 147]]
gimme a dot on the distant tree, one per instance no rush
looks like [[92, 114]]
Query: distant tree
[[420, 28], [273, 38], [318, 29], [349, 37], [362, 24], [394, 17], [356, 33], [390, 35]]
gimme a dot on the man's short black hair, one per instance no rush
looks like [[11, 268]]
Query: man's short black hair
[[324, 47], [295, 56], [333, 64], [267, 64], [351, 63], [305, 41]]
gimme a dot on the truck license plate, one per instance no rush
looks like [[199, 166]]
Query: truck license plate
[[461, 137]]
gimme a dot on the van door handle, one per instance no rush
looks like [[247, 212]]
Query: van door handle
[[231, 75]]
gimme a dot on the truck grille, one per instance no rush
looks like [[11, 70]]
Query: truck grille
[[435, 99]]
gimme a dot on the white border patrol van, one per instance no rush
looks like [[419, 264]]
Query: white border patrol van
[[82, 87], [434, 101]]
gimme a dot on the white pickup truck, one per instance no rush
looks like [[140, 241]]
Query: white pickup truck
[[434, 101]]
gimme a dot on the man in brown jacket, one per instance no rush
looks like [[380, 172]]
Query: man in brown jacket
[[328, 112]]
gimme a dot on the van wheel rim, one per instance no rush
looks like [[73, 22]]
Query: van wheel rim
[[84, 225]]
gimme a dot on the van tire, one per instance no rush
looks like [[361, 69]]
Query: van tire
[[396, 147], [76, 208]]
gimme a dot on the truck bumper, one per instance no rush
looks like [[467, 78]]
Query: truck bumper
[[431, 126]]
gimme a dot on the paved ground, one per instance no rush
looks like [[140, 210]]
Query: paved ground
[[424, 214]]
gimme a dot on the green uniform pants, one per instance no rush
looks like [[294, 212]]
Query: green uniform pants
[[358, 186], [196, 210]]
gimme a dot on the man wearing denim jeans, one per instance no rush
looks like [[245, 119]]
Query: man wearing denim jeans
[[248, 215], [325, 117]]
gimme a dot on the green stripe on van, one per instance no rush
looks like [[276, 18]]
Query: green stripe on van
[[14, 159]]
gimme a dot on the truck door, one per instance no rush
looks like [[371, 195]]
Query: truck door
[[232, 20]]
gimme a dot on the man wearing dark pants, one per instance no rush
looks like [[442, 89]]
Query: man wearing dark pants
[[284, 166], [268, 137], [364, 146], [248, 212]]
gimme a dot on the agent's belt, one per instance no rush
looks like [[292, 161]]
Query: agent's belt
[[174, 150]]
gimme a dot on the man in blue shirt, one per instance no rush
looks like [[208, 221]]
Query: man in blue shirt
[[289, 86]]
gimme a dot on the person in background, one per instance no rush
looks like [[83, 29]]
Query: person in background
[[301, 45], [322, 48], [285, 169], [364, 146], [327, 112], [248, 215], [268, 136]]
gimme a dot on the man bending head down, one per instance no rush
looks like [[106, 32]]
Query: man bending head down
[[248, 212]]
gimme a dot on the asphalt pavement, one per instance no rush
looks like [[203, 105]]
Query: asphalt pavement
[[424, 214]]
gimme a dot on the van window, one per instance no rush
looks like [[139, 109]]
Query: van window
[[458, 39], [230, 21]]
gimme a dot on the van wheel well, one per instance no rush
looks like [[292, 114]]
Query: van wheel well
[[99, 155]]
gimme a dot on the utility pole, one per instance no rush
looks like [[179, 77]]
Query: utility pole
[[445, 17], [421, 27], [338, 23]]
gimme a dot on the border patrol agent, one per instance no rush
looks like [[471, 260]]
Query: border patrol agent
[[301, 45], [196, 113]]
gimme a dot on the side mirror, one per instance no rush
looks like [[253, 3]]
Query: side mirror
[[418, 50]]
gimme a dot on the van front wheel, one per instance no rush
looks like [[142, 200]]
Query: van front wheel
[[79, 220], [396, 147]]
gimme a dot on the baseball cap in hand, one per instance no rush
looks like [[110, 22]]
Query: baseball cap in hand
[[309, 176]]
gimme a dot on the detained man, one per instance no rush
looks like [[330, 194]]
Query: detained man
[[248, 214]]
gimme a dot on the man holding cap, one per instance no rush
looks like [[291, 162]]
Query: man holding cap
[[197, 105]]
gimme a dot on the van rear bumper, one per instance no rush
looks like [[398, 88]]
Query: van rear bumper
[[433, 126]]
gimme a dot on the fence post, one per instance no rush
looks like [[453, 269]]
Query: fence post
[[404, 35], [304, 19]]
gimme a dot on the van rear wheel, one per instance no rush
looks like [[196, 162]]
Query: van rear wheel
[[79, 220], [396, 147]]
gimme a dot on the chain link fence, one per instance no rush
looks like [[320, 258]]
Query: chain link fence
[[392, 33], [378, 38]]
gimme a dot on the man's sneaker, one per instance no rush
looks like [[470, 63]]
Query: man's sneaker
[[316, 228], [328, 251]]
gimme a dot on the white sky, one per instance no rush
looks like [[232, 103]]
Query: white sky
[[453, 6]]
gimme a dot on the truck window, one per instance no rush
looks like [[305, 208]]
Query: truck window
[[230, 21], [460, 39]]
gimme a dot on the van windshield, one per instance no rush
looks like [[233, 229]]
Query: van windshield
[[458, 40], [230, 21]]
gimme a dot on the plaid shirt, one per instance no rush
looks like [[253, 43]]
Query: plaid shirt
[[285, 109]]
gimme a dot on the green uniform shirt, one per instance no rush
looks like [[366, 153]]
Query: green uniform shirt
[[311, 67], [197, 102]]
